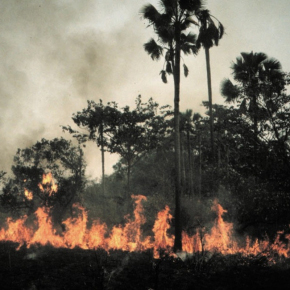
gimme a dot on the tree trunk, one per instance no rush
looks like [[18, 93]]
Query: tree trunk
[[182, 164], [129, 167], [103, 158], [200, 171], [176, 74], [128, 179], [189, 165], [208, 72], [219, 157], [255, 133], [228, 161]]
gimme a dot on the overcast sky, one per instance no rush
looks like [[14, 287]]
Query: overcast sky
[[57, 54]]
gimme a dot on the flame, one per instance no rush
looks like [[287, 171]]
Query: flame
[[48, 185], [160, 228], [16, 231], [129, 237], [221, 235], [28, 194]]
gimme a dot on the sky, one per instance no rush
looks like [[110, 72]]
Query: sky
[[57, 54]]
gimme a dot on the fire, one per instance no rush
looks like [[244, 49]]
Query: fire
[[16, 231], [48, 185], [160, 228], [129, 237], [28, 194], [220, 238]]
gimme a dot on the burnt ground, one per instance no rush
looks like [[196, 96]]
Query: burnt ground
[[50, 268]]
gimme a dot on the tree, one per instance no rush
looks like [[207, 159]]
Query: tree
[[209, 35], [94, 119], [133, 133], [252, 72], [60, 158], [170, 27]]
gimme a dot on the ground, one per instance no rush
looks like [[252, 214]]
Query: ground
[[50, 268]]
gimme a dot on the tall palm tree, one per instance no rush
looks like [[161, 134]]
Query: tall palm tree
[[170, 24], [210, 32], [252, 72]]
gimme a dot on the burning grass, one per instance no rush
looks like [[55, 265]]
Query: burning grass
[[81, 257], [129, 237]]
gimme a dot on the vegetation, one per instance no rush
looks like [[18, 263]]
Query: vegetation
[[22, 194], [170, 26], [47, 268], [167, 156], [210, 32]]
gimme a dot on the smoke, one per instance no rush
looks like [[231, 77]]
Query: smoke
[[55, 55]]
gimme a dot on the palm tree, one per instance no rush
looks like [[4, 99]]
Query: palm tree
[[210, 32], [253, 72], [170, 26]]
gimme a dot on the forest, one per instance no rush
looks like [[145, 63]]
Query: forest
[[193, 199]]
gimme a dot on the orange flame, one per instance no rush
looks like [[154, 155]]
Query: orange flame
[[160, 228], [129, 237], [28, 194], [220, 239], [48, 185]]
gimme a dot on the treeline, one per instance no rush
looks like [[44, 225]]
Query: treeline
[[248, 170]]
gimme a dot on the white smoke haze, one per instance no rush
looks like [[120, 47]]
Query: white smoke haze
[[57, 54]]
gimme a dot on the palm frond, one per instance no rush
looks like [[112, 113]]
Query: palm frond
[[191, 20], [213, 33], [229, 91], [153, 49], [272, 64], [187, 22], [186, 48], [191, 5], [241, 69], [209, 34], [188, 43], [195, 49], [253, 59], [168, 6], [191, 37], [165, 33], [248, 66], [160, 21], [259, 57], [246, 57], [221, 30], [150, 13]]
